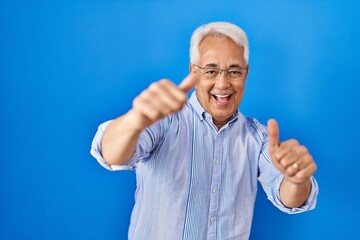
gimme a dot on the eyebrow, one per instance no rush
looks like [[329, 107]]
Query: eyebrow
[[235, 66], [211, 65], [216, 66]]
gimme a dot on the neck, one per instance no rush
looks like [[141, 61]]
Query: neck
[[220, 124]]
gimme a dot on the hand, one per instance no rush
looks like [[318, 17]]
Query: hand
[[289, 157], [159, 100]]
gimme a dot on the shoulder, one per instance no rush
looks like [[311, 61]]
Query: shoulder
[[173, 120], [257, 130]]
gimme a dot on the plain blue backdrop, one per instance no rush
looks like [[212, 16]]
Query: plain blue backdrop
[[67, 66]]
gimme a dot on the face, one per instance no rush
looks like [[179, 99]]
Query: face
[[221, 97]]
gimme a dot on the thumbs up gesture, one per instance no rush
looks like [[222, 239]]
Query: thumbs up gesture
[[289, 157], [160, 99]]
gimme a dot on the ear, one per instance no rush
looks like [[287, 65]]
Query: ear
[[191, 68], [247, 71]]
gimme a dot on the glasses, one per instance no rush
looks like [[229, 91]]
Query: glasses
[[213, 73]]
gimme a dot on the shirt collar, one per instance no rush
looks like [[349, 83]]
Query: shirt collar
[[199, 110]]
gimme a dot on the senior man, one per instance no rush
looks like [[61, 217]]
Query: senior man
[[198, 161]]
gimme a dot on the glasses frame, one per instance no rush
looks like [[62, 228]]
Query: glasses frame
[[221, 71]]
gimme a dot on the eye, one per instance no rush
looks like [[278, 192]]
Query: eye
[[235, 73], [211, 72]]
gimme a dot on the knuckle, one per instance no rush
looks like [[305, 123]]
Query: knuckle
[[153, 115], [183, 98], [308, 158], [301, 175], [164, 81], [314, 166], [137, 102], [290, 172], [144, 94], [294, 141], [302, 148], [283, 162], [286, 162], [154, 86]]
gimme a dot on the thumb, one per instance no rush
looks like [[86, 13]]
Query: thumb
[[188, 83], [273, 131]]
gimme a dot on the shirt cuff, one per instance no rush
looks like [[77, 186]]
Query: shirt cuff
[[96, 151], [308, 205]]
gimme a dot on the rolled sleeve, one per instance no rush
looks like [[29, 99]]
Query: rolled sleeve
[[273, 195], [271, 178], [96, 151]]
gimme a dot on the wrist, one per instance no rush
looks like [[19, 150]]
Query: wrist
[[291, 181], [135, 120], [294, 194]]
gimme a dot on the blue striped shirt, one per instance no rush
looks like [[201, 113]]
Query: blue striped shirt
[[195, 182]]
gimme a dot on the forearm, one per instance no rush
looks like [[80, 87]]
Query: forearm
[[154, 103], [294, 195], [120, 139]]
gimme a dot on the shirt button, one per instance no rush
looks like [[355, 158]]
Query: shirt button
[[215, 190], [212, 219], [217, 162]]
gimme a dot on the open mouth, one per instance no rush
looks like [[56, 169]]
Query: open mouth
[[222, 100]]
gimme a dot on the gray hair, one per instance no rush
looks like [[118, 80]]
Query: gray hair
[[224, 29]]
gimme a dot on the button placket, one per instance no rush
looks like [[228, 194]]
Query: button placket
[[215, 186]]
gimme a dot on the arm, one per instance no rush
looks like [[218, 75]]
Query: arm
[[154, 103], [295, 163], [294, 195]]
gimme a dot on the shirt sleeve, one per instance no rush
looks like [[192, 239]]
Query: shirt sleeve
[[148, 140], [96, 150], [271, 178]]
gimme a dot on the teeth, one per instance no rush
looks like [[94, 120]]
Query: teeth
[[222, 96]]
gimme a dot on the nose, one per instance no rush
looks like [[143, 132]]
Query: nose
[[222, 82]]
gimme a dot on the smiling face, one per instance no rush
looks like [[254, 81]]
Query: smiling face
[[221, 97]]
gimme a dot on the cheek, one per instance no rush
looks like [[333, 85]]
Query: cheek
[[239, 88], [239, 93], [203, 88]]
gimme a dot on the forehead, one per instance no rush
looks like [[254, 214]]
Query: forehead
[[220, 50]]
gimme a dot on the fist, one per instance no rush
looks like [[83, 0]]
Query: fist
[[289, 157], [159, 100]]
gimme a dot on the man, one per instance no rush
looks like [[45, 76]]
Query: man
[[197, 162]]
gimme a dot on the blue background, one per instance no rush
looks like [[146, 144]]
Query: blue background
[[67, 66]]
